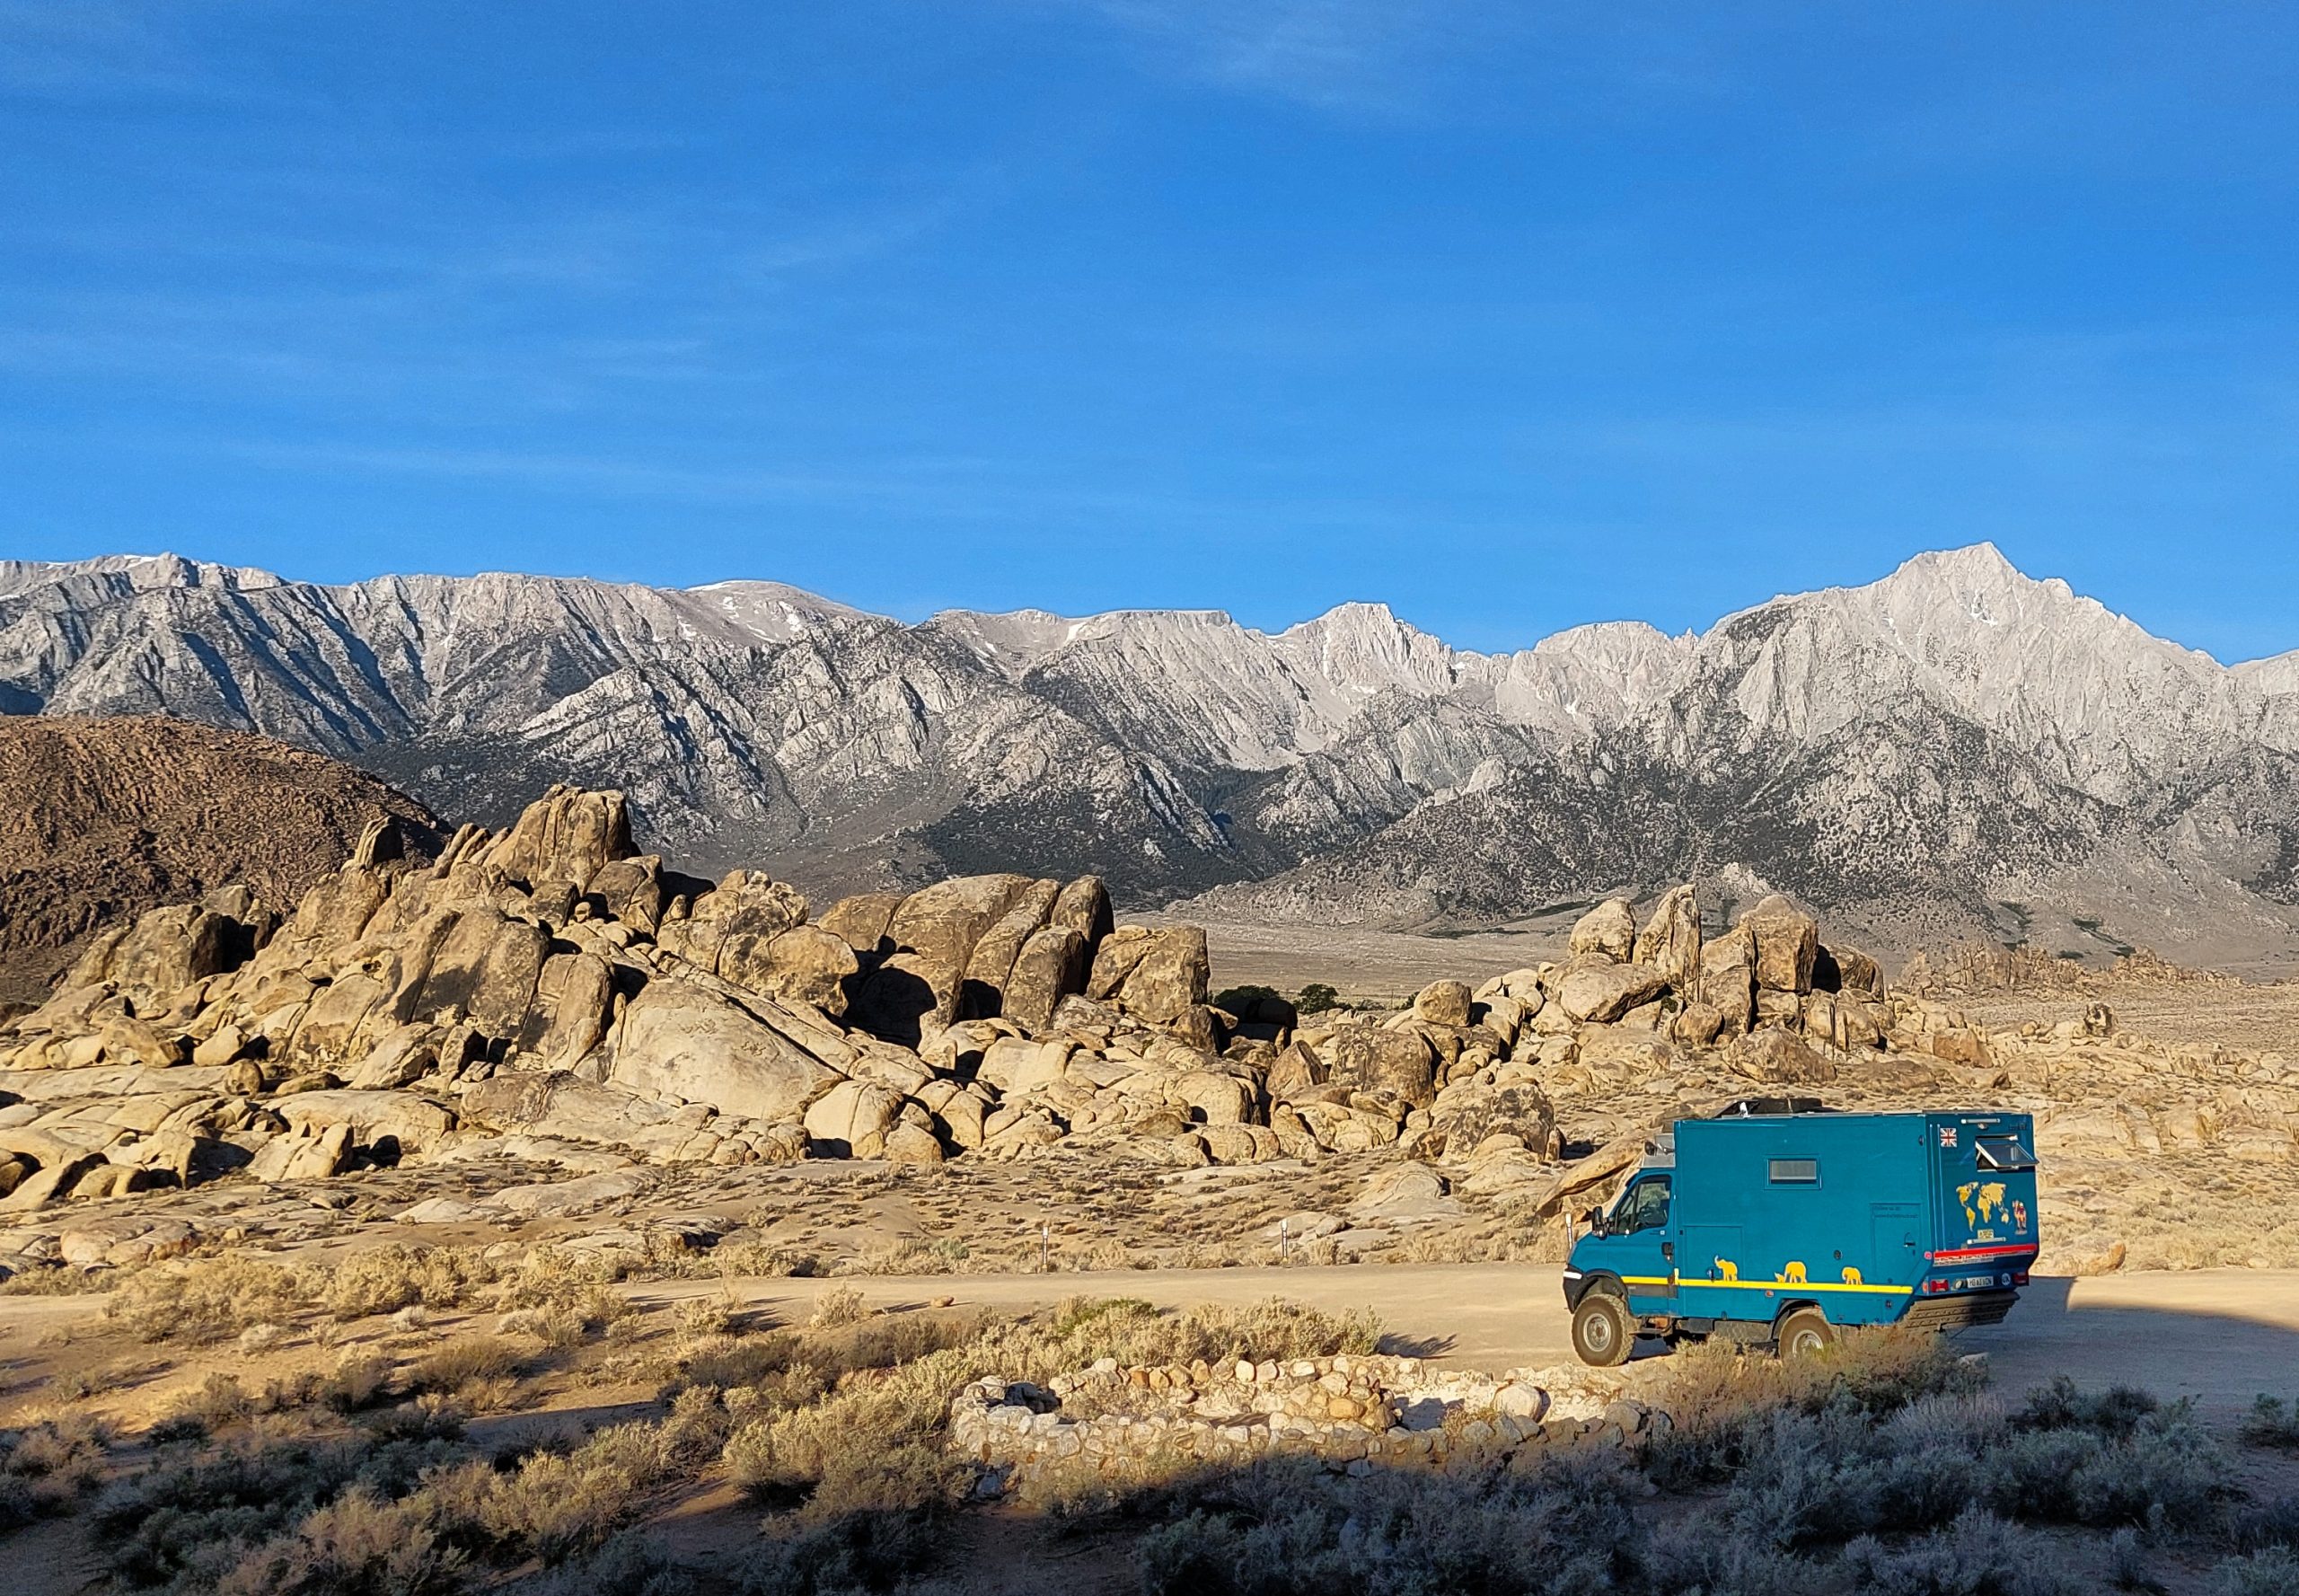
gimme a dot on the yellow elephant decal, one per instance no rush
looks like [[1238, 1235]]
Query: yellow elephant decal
[[1727, 1269], [1793, 1273], [1851, 1275]]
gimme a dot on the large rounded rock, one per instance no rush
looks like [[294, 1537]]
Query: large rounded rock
[[164, 951], [1155, 975], [1728, 978], [908, 1144], [1377, 1062], [679, 1040], [630, 890], [1847, 970], [1787, 945], [1050, 967], [1777, 1057], [1213, 1098], [862, 922], [1084, 907], [1609, 929], [933, 934], [803, 965], [742, 915], [1670, 941], [1443, 1002], [991, 962], [562, 839], [1595, 991], [852, 1118], [485, 970], [1297, 1072], [409, 1123], [1469, 1116], [574, 1003]]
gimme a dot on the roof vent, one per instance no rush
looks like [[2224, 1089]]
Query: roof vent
[[1767, 1107]]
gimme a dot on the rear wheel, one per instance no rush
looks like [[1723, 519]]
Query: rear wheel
[[1804, 1333], [1602, 1331]]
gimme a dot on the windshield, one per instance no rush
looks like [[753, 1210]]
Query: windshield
[[1644, 1206]]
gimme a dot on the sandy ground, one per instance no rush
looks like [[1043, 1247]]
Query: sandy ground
[[2221, 1335], [1368, 965], [2262, 1017]]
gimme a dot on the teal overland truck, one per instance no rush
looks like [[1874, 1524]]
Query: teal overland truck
[[1778, 1222]]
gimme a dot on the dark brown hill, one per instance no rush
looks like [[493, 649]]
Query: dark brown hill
[[105, 817]]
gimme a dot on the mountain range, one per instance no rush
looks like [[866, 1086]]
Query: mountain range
[[1957, 750]]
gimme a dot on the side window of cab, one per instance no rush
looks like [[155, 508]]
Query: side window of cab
[[1645, 1207]]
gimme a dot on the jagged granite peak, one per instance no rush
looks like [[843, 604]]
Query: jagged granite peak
[[2100, 701], [1982, 732]]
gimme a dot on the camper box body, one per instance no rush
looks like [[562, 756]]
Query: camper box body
[[1924, 1219]]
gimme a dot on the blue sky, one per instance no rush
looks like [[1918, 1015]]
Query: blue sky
[[1514, 316]]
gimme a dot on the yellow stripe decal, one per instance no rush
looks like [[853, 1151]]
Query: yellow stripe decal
[[1798, 1286]]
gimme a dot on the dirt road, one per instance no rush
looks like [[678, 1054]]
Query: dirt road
[[2221, 1335]]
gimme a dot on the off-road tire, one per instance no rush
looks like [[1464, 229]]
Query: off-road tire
[[1603, 1332], [1804, 1333]]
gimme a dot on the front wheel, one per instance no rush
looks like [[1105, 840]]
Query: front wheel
[[1804, 1333], [1602, 1331]]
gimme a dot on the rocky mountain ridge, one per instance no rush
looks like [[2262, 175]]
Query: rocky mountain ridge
[[1955, 750]]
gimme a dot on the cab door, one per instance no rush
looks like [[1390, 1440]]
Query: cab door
[[1643, 1245]]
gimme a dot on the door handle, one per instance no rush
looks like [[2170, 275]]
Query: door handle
[[1668, 1251]]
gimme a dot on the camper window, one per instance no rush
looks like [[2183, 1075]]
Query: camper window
[[1795, 1171], [2004, 1152]]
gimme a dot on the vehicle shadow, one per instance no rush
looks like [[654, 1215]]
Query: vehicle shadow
[[2223, 1337]]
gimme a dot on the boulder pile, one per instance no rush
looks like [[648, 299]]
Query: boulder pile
[[550, 984]]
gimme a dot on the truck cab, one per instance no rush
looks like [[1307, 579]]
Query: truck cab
[[1780, 1222]]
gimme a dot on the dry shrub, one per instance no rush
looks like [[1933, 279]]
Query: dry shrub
[[709, 1315], [561, 1329], [355, 1544], [1718, 1396], [629, 1565], [185, 1523], [554, 1507], [394, 1276], [840, 1305], [58, 1280], [574, 1289], [873, 1442], [736, 1260], [208, 1301], [1133, 1333], [728, 1363], [2273, 1422], [1978, 1552], [46, 1468], [2274, 1572], [904, 1255], [360, 1378], [1289, 1526], [218, 1402], [465, 1363]]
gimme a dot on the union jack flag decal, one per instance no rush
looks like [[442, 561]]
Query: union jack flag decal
[[1947, 1135]]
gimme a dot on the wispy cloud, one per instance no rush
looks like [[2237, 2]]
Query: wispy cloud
[[102, 50], [1354, 55]]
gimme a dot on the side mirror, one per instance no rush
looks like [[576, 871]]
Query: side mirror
[[1595, 1220]]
